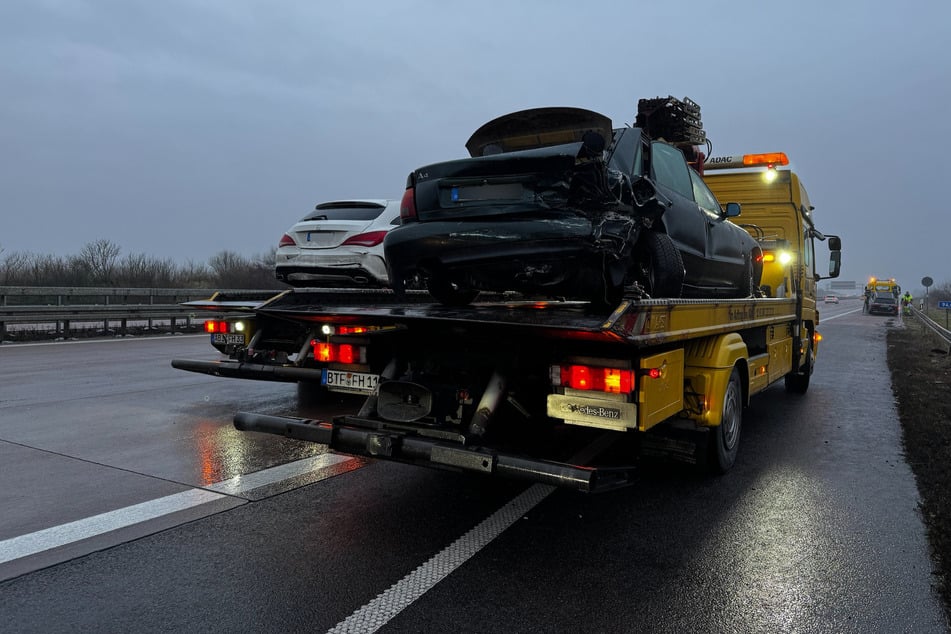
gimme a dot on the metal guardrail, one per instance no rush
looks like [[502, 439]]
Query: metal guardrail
[[943, 333], [63, 309]]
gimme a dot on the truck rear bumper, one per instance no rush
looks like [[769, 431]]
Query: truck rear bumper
[[357, 436]]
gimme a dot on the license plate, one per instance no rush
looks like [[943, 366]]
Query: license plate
[[227, 338], [348, 381]]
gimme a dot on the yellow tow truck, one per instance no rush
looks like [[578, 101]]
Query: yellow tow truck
[[493, 387]]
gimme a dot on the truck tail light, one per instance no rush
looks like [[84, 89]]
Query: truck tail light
[[338, 352], [594, 378], [408, 205], [213, 326], [370, 239]]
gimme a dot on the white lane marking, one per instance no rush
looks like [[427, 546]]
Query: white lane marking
[[400, 595], [244, 483], [822, 320], [64, 534]]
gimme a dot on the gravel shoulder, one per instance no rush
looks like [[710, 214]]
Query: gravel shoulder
[[921, 380]]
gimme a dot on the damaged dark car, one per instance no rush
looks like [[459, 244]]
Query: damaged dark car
[[557, 203]]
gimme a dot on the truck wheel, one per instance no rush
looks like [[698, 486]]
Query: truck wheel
[[725, 441], [659, 265], [449, 293], [798, 382]]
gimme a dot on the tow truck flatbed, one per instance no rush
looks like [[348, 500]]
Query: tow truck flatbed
[[637, 322]]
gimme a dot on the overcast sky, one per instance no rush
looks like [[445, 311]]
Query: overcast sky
[[180, 129]]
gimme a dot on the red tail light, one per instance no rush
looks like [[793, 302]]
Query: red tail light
[[286, 241], [583, 377], [216, 326], [370, 239], [408, 205], [338, 352]]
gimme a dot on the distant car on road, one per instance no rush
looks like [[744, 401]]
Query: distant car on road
[[884, 304], [339, 243], [831, 299]]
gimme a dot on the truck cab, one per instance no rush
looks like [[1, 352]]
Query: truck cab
[[778, 213]]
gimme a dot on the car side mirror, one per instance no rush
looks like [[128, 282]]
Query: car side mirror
[[732, 210]]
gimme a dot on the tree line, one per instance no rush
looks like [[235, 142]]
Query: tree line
[[101, 264]]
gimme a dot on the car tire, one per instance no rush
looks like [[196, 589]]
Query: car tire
[[725, 437], [659, 265], [449, 293]]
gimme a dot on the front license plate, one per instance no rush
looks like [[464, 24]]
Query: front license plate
[[227, 338], [348, 381]]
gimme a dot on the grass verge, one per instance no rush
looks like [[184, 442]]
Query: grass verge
[[921, 380]]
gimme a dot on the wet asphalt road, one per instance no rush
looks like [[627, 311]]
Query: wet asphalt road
[[816, 529]]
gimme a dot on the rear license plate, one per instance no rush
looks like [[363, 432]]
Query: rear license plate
[[349, 381], [227, 338]]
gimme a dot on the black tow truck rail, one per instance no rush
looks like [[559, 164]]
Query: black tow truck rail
[[371, 438]]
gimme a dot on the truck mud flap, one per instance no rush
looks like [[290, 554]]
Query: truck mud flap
[[376, 441], [256, 371]]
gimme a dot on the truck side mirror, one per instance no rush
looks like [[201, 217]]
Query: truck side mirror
[[835, 243], [835, 263]]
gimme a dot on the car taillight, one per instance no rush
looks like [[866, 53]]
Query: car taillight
[[286, 241], [585, 377], [370, 239], [408, 205]]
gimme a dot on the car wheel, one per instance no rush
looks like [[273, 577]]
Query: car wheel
[[450, 293], [659, 265], [725, 441]]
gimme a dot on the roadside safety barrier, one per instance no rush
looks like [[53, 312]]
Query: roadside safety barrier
[[62, 310], [943, 333]]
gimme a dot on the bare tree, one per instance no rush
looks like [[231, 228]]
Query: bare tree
[[100, 258]]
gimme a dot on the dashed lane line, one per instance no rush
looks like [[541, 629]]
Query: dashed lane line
[[400, 595]]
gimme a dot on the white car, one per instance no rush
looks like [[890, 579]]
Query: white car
[[338, 244], [831, 299]]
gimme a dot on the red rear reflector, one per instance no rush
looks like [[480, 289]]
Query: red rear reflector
[[408, 205], [370, 239], [655, 373]]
